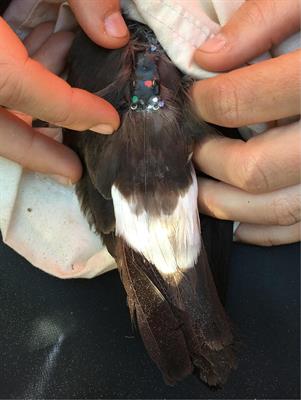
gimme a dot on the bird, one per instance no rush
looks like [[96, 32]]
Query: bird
[[139, 192]]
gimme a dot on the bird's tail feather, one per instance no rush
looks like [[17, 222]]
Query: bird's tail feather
[[180, 318]]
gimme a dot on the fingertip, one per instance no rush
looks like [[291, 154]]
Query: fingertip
[[201, 59], [75, 176], [102, 22], [68, 168], [110, 121], [75, 169], [116, 30], [211, 54], [109, 33], [87, 111], [251, 31], [103, 129], [220, 61]]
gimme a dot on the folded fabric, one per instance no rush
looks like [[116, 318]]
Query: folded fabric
[[41, 219]]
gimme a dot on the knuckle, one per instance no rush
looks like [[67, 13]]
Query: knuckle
[[252, 176], [223, 102], [286, 210]]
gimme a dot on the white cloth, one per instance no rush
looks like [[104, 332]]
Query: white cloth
[[40, 218]]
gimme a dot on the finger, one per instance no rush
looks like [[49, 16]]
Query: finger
[[262, 92], [54, 51], [222, 201], [265, 163], [38, 36], [255, 27], [25, 85], [265, 235], [24, 145], [102, 21]]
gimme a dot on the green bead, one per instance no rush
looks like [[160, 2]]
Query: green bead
[[135, 99]]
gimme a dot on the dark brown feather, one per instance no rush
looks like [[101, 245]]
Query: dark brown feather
[[158, 324], [180, 317]]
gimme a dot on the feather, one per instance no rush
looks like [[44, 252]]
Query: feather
[[180, 328], [158, 325], [139, 191]]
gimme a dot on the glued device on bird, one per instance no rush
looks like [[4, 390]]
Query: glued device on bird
[[139, 191], [145, 86]]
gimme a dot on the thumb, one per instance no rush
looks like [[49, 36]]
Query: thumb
[[102, 21], [253, 29]]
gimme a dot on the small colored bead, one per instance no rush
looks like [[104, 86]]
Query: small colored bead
[[148, 83], [135, 99]]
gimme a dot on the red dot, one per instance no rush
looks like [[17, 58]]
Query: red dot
[[148, 83]]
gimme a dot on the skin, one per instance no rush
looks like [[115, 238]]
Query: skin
[[29, 85], [259, 180]]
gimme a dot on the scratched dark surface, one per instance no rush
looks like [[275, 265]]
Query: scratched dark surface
[[73, 339]]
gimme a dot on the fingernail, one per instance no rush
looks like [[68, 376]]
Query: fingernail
[[102, 128], [214, 44], [63, 180], [115, 25]]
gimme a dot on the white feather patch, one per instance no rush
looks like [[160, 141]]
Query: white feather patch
[[168, 241]]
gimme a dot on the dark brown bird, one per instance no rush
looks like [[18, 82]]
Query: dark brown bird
[[139, 192]]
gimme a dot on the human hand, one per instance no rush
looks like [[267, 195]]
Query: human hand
[[259, 179], [31, 89], [102, 21]]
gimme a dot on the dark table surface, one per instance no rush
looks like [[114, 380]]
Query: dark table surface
[[74, 339]]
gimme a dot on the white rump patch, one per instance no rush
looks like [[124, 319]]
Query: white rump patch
[[167, 241]]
